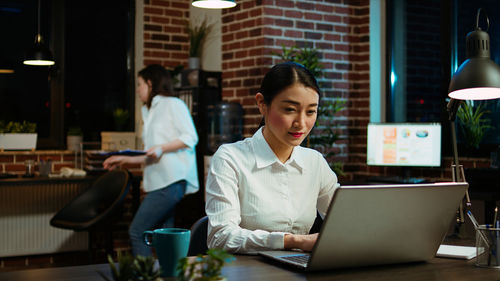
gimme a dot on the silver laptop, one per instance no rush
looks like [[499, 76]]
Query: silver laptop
[[380, 224]]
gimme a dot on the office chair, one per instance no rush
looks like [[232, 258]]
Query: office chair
[[97, 207], [198, 241], [318, 222]]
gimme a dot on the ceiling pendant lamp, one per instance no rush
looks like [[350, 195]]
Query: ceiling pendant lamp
[[39, 54], [214, 4]]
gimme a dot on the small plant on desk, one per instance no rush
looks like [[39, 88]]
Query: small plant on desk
[[129, 268], [204, 267]]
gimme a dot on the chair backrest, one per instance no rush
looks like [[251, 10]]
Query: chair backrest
[[96, 203], [198, 241]]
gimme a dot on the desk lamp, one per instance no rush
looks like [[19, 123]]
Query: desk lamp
[[478, 78]]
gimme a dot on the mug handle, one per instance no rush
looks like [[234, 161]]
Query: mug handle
[[147, 237]]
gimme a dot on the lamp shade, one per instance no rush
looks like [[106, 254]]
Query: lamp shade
[[478, 78], [38, 54], [214, 4]]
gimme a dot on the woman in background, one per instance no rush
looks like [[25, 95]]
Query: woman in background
[[263, 193], [169, 138]]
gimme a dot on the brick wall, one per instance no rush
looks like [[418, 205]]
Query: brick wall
[[165, 41], [13, 161], [254, 30]]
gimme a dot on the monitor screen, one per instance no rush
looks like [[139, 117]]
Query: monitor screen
[[404, 144]]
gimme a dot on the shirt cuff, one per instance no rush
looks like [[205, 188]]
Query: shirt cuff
[[277, 240]]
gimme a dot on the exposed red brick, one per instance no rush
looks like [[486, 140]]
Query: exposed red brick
[[152, 27], [155, 11], [153, 45], [161, 37], [7, 158], [324, 8], [173, 13], [313, 16], [294, 33], [294, 14], [181, 5], [23, 157], [272, 11], [160, 3], [14, 167]]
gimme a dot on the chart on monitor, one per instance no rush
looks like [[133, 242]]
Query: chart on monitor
[[405, 145]]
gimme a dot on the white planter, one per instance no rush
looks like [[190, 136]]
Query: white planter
[[73, 142], [18, 141]]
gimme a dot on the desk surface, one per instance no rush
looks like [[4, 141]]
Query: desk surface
[[257, 268]]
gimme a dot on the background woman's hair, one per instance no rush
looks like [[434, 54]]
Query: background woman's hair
[[161, 82], [284, 75]]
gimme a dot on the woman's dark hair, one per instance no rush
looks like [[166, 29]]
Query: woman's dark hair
[[161, 82], [284, 75]]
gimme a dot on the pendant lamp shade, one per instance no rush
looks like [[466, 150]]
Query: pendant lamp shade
[[478, 78], [214, 4], [38, 54]]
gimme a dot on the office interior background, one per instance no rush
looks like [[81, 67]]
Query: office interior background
[[389, 61]]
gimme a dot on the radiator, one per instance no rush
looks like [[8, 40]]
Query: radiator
[[25, 213]]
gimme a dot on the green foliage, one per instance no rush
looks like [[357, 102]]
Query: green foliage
[[308, 57], [473, 123], [144, 269], [120, 118], [197, 36], [132, 269], [124, 272], [24, 127], [323, 136], [203, 267], [75, 131]]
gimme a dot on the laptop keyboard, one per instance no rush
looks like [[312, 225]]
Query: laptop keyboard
[[302, 259]]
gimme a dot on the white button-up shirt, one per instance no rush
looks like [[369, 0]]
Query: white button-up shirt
[[253, 200], [169, 119]]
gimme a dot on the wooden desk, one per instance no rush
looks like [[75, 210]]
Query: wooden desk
[[257, 268]]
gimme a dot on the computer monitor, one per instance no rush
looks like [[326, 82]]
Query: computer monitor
[[404, 144]]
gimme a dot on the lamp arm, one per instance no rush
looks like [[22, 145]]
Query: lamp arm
[[452, 108]]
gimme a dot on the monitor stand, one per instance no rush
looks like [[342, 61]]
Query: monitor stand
[[406, 178]]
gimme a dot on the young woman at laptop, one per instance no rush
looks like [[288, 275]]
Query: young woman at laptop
[[263, 192]]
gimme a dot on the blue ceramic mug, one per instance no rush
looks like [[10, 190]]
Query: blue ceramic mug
[[171, 244]]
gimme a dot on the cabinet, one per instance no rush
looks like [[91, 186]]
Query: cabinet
[[199, 89]]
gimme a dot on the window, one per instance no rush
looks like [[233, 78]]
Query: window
[[417, 75], [92, 42]]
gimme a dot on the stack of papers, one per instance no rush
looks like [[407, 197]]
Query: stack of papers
[[457, 252]]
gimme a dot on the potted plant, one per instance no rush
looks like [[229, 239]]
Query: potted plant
[[204, 267], [73, 138], [197, 35], [129, 268], [18, 135], [473, 123], [118, 139], [323, 135]]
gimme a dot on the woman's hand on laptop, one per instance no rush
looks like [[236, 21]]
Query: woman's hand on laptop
[[303, 242]]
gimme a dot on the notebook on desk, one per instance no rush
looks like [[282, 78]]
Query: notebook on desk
[[380, 224]]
